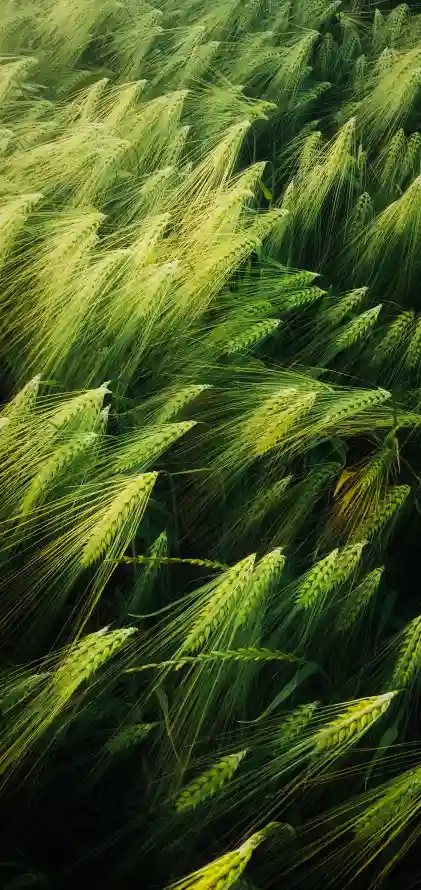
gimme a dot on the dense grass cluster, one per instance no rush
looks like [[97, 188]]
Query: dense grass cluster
[[210, 353]]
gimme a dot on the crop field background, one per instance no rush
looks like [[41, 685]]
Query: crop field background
[[210, 440]]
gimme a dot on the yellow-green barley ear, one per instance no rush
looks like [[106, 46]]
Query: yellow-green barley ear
[[326, 576], [55, 468], [399, 799], [304, 99], [359, 75], [389, 167], [347, 561], [353, 722], [381, 109], [131, 42], [408, 660], [294, 66], [350, 48], [327, 55], [385, 511], [317, 582], [356, 330], [209, 782], [125, 511], [87, 656], [347, 303], [310, 150], [378, 31], [81, 412], [265, 575], [301, 298], [251, 336], [396, 341], [224, 872], [318, 14], [358, 600], [347, 406], [283, 422], [78, 665], [222, 600], [140, 451]]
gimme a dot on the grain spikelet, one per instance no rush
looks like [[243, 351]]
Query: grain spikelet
[[393, 808], [294, 66], [81, 410], [408, 661], [310, 150], [126, 509], [129, 736], [222, 600], [251, 336], [317, 582], [395, 22], [87, 657], [264, 576], [395, 340], [301, 298], [347, 561], [353, 723], [54, 467], [139, 451], [361, 215], [412, 154], [11, 75], [224, 872], [79, 664], [389, 165], [358, 600], [296, 722], [346, 304], [354, 404], [209, 782], [280, 426], [356, 330], [389, 506]]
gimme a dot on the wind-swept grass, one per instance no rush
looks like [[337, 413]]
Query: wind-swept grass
[[209, 437]]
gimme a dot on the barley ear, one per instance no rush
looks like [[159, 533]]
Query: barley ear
[[209, 782]]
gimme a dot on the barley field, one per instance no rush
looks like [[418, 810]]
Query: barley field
[[210, 439]]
